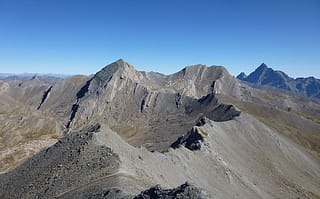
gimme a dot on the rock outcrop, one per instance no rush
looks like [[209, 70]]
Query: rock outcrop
[[185, 190], [191, 140], [212, 108]]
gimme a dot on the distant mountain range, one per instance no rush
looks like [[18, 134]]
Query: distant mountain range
[[263, 75], [5, 75]]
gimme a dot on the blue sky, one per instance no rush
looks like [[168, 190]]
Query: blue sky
[[80, 37]]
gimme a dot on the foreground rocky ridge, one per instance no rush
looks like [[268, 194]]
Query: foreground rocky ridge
[[233, 162]]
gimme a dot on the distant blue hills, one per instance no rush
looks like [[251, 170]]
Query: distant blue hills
[[263, 75], [26, 75]]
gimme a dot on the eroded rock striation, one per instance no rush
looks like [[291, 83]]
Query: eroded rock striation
[[137, 102]]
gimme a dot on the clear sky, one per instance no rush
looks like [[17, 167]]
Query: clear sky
[[80, 37]]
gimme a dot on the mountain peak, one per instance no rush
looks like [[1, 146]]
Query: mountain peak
[[120, 61], [242, 76], [263, 75], [107, 72], [262, 66], [119, 64]]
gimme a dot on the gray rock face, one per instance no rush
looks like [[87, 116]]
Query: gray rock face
[[309, 87], [211, 108], [185, 191], [119, 95], [199, 80], [147, 109]]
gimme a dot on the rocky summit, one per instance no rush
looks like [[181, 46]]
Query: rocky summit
[[263, 75], [124, 133]]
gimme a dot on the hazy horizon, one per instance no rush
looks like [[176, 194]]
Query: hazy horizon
[[57, 74]]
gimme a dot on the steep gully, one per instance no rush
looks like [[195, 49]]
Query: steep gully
[[44, 97], [81, 93]]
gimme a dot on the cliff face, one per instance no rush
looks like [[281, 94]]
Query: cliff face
[[119, 95]]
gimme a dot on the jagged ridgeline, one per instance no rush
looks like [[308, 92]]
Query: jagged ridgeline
[[123, 133], [133, 102], [263, 75]]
